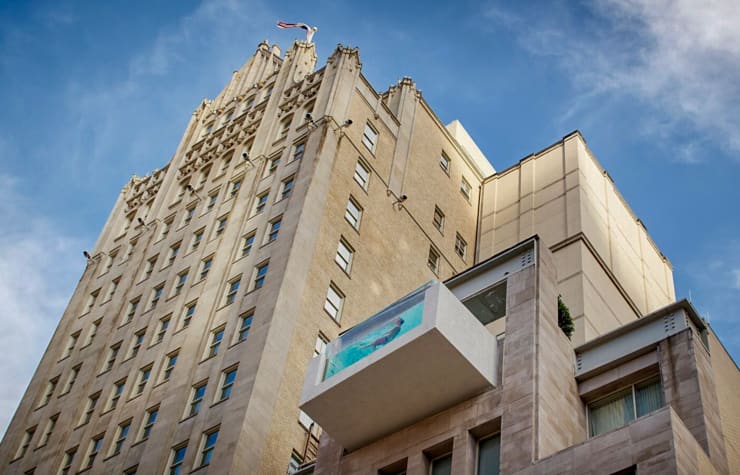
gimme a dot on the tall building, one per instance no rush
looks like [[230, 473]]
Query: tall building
[[300, 202]]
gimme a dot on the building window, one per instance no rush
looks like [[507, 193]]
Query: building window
[[624, 406], [208, 445], [66, 467], [441, 465], [294, 464], [131, 249], [320, 346], [245, 325], [226, 164], [284, 128], [439, 219], [144, 374], [50, 424], [221, 226], [299, 150], [74, 372], [121, 434], [461, 247], [71, 343], [353, 214], [188, 314], [164, 324], [444, 163], [212, 199], [197, 238], [235, 186], [333, 302], [109, 263], [112, 288], [433, 260], [248, 243], [131, 470], [176, 459], [233, 288], [273, 230], [149, 420], [344, 255], [189, 213], [156, 295], [465, 188], [260, 273], [92, 332], [199, 392], [93, 450], [182, 278], [286, 188], [91, 301], [362, 174], [370, 137], [115, 394], [204, 176], [227, 382], [174, 250], [166, 226], [205, 267], [112, 355], [216, 336], [259, 204], [489, 455], [136, 343], [49, 392], [132, 306], [149, 267], [169, 366], [25, 443], [92, 401]]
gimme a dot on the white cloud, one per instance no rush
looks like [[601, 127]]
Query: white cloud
[[681, 57], [38, 270], [736, 274]]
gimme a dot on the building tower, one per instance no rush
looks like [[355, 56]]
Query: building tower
[[298, 202]]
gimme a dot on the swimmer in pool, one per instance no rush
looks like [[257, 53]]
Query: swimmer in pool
[[386, 337]]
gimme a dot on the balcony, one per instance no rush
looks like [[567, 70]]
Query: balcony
[[422, 354]]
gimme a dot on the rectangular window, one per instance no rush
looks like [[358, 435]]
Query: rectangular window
[[333, 302], [111, 260], [121, 434], [149, 420], [136, 343], [92, 401], [260, 273], [344, 255], [444, 163], [189, 213], [49, 392], [260, 202], [169, 366], [197, 239], [273, 230], [489, 455], [353, 214], [271, 167], [622, 407], [441, 465], [115, 394], [149, 267], [284, 128], [362, 174], [177, 459], [71, 343], [112, 354], [227, 382], [286, 188], [461, 247], [204, 176], [299, 150], [93, 450], [208, 445], [132, 306], [112, 288], [166, 226], [212, 200], [130, 250], [465, 188], [248, 243], [92, 332], [91, 300], [188, 314], [196, 400], [245, 324], [144, 374], [182, 278], [235, 187], [370, 137], [164, 324], [439, 219], [221, 226], [226, 164], [25, 443], [320, 346], [232, 290], [74, 372], [205, 267], [66, 467], [174, 250], [156, 295], [433, 260], [48, 430], [216, 336]]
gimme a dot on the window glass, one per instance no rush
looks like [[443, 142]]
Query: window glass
[[489, 456], [442, 465]]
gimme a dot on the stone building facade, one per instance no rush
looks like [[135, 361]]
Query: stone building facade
[[299, 202]]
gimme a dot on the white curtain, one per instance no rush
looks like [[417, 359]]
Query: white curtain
[[648, 397], [611, 413]]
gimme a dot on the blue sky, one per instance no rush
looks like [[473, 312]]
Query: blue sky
[[93, 92]]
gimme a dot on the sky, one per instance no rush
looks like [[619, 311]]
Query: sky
[[93, 92]]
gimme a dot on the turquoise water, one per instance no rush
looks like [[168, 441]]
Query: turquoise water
[[373, 338]]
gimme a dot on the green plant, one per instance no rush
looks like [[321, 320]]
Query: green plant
[[565, 321]]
